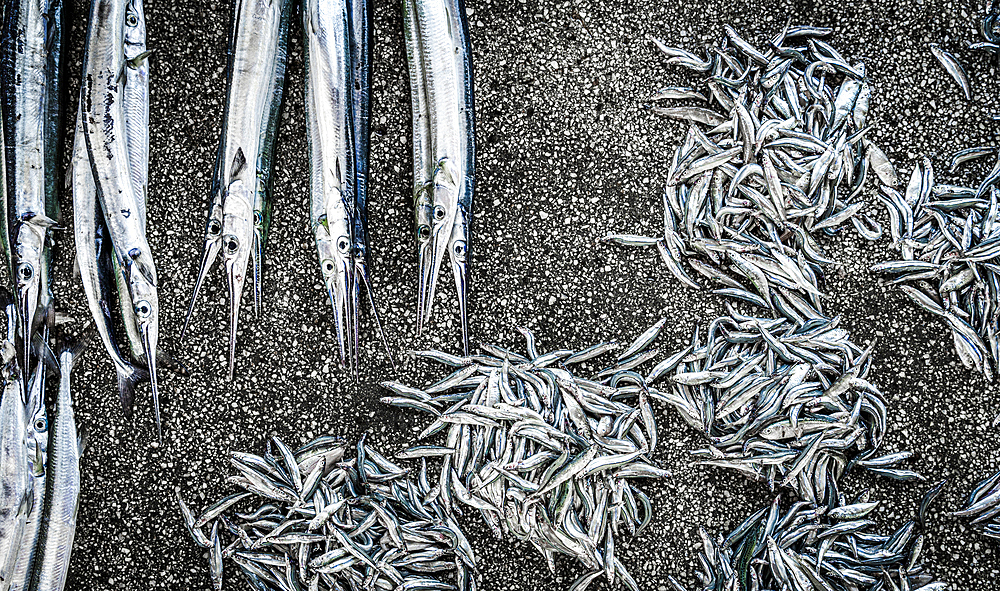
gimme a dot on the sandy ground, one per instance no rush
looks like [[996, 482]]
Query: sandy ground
[[567, 153]]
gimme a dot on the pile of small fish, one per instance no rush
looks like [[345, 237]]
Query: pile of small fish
[[543, 455], [781, 402], [829, 547], [108, 176], [317, 519], [949, 239], [785, 155], [444, 146], [240, 199], [39, 469], [984, 506]]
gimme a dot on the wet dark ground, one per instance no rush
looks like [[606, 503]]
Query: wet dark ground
[[567, 153]]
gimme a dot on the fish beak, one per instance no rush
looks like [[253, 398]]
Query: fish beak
[[208, 256], [25, 315], [430, 268], [236, 278], [147, 333], [257, 260], [361, 276], [339, 288], [459, 267]]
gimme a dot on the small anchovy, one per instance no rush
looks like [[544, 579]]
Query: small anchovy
[[362, 519], [806, 547], [987, 24], [954, 69], [786, 158], [527, 436], [983, 507]]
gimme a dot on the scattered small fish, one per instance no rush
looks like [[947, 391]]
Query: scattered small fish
[[804, 548], [781, 162], [948, 237]]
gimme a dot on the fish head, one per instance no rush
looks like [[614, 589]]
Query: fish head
[[442, 222], [237, 245], [145, 307], [135, 31], [28, 252]]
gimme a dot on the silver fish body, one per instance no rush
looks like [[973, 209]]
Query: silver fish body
[[63, 487], [329, 110], [15, 482], [104, 131], [30, 109]]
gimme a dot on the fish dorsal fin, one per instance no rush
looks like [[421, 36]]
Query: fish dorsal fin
[[239, 163]]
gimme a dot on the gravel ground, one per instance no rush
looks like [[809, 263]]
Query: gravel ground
[[567, 153]]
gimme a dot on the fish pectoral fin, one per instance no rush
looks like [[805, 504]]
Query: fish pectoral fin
[[44, 221], [135, 62]]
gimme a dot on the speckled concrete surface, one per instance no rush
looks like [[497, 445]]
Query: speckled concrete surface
[[566, 153]]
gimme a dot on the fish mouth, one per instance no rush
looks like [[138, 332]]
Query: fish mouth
[[208, 256], [341, 290], [25, 317], [430, 259]]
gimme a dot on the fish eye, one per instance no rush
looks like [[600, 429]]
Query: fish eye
[[438, 213], [143, 309], [258, 219], [423, 232], [41, 424], [131, 20], [214, 228], [232, 244], [328, 267], [460, 248], [25, 271], [343, 245]]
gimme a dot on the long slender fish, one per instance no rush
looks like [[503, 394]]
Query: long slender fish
[[92, 252], [37, 434], [362, 43], [63, 483], [329, 108], [31, 52], [239, 210], [15, 491], [440, 61], [136, 99], [104, 132]]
